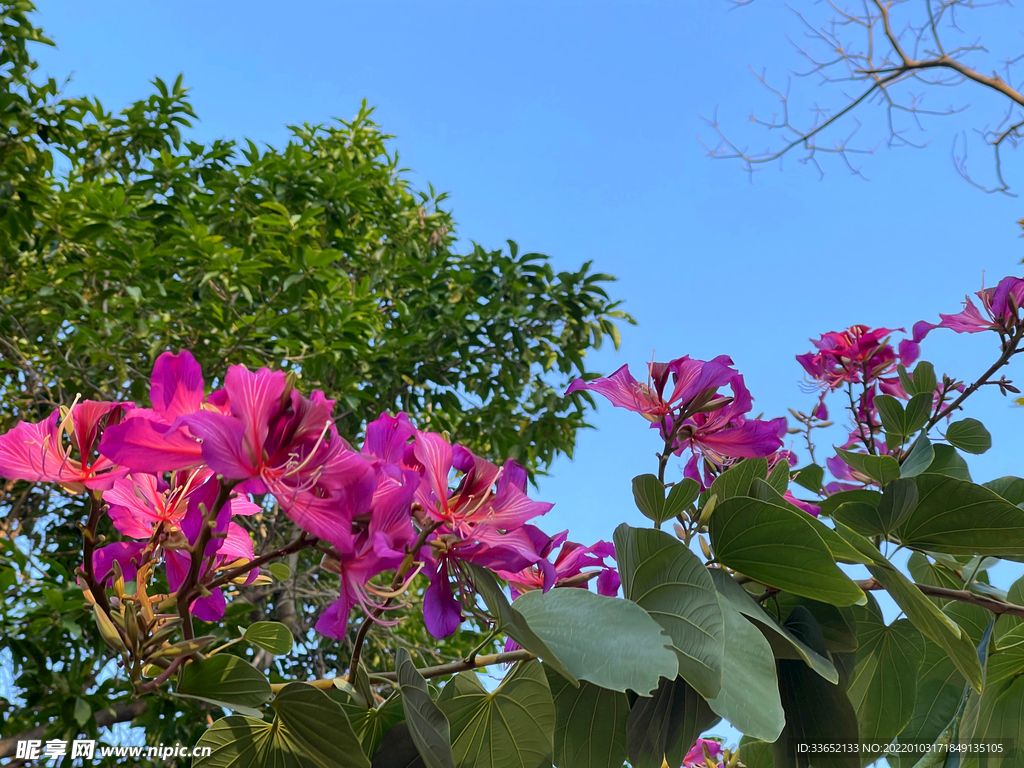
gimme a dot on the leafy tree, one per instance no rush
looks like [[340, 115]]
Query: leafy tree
[[121, 237]]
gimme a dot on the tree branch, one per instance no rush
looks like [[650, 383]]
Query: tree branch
[[117, 713], [992, 604]]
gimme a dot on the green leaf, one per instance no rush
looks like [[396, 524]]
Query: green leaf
[[881, 469], [932, 622], [1015, 595], [427, 723], [680, 497], [898, 500], [838, 626], [920, 457], [83, 712], [939, 690], [510, 727], [280, 571], [227, 681], [883, 686], [785, 644], [923, 381], [272, 636], [664, 726], [779, 547], [830, 504], [590, 724], [960, 518], [736, 480], [512, 622], [371, 724], [661, 575], [755, 753], [1010, 488], [629, 653], [923, 571], [309, 731], [1008, 659], [816, 710], [810, 477], [969, 435], [749, 698], [899, 422], [948, 462], [649, 494], [778, 478]]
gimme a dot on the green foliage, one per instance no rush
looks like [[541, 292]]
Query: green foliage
[[778, 546], [668, 581], [629, 653], [121, 236], [509, 727], [309, 731], [590, 729]]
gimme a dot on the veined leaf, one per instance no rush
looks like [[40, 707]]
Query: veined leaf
[[667, 580], [590, 724], [510, 727], [629, 653], [776, 546]]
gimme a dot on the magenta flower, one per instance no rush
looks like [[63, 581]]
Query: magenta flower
[[1001, 306], [39, 452], [858, 354], [157, 439], [568, 569], [695, 757], [720, 436], [264, 434], [381, 547], [694, 383], [483, 521], [170, 519]]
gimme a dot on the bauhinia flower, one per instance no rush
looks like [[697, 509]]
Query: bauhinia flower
[[157, 439], [272, 439], [168, 519], [721, 436], [694, 383], [483, 521], [61, 448], [568, 569], [695, 757], [859, 354], [1001, 306]]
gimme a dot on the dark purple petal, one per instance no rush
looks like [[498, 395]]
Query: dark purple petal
[[442, 613]]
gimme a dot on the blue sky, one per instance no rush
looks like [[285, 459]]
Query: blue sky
[[573, 128]]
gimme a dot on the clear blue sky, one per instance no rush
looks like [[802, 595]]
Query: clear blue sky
[[572, 128]]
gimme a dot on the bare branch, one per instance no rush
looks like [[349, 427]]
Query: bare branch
[[885, 47]]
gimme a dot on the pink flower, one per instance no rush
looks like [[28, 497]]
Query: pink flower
[[157, 439], [695, 757], [1001, 306], [39, 453], [694, 383], [380, 547], [568, 569], [858, 354], [483, 521]]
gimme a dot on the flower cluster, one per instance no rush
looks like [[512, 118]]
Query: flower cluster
[[695, 416], [175, 477]]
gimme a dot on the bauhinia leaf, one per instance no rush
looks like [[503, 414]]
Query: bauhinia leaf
[[661, 575], [629, 652], [427, 724]]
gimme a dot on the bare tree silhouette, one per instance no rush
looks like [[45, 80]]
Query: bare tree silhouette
[[891, 54]]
